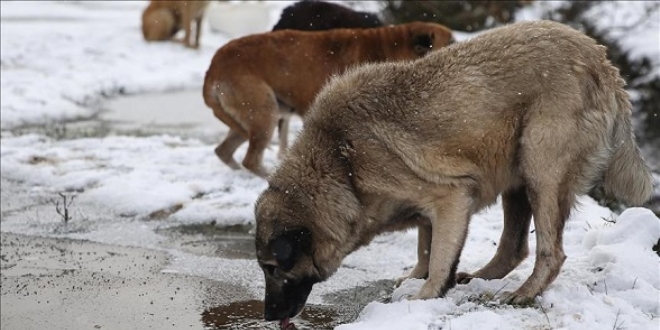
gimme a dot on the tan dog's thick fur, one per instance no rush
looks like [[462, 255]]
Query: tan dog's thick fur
[[255, 80], [532, 111], [162, 19]]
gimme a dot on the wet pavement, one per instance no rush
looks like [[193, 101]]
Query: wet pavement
[[51, 283], [64, 283]]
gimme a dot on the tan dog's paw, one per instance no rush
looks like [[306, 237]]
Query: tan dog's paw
[[517, 299], [400, 280], [428, 291], [464, 278], [415, 273]]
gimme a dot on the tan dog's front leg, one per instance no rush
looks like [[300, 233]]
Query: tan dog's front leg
[[187, 20], [449, 224], [198, 30], [421, 269]]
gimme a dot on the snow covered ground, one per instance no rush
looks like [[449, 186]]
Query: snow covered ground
[[61, 60]]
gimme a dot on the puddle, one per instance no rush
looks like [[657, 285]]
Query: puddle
[[181, 113], [249, 315], [208, 239], [174, 112]]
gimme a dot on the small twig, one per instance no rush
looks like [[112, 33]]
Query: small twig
[[63, 211], [616, 320], [500, 289], [590, 291], [634, 282], [605, 287], [611, 220], [547, 318]]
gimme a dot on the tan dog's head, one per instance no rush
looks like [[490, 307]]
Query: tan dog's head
[[301, 239], [158, 24], [285, 254]]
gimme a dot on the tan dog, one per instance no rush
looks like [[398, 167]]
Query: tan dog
[[162, 19], [255, 80], [533, 111]]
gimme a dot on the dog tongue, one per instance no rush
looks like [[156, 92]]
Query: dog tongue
[[286, 325]]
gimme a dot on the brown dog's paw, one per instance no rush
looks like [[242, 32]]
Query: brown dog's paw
[[463, 278]]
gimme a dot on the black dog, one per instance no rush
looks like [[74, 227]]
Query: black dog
[[313, 15]]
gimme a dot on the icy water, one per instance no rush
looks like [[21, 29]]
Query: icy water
[[232, 242], [249, 315]]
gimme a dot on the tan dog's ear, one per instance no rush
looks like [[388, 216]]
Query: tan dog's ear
[[289, 245], [423, 43]]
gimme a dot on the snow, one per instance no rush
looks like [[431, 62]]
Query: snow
[[63, 60], [634, 24]]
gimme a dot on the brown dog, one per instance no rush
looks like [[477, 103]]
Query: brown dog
[[533, 111], [162, 19], [255, 80]]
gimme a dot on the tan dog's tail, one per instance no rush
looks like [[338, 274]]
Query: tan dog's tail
[[627, 177]]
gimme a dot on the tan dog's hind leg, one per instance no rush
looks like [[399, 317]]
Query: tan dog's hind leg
[[550, 161], [513, 247], [421, 269], [549, 223], [449, 223]]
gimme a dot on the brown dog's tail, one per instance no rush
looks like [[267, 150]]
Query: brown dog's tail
[[209, 91], [627, 177]]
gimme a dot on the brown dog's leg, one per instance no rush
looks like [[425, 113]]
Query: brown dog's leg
[[259, 140], [513, 247], [225, 150], [421, 269], [263, 111], [283, 133]]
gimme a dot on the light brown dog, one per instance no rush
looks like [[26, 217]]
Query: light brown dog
[[255, 80], [162, 19], [532, 111]]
